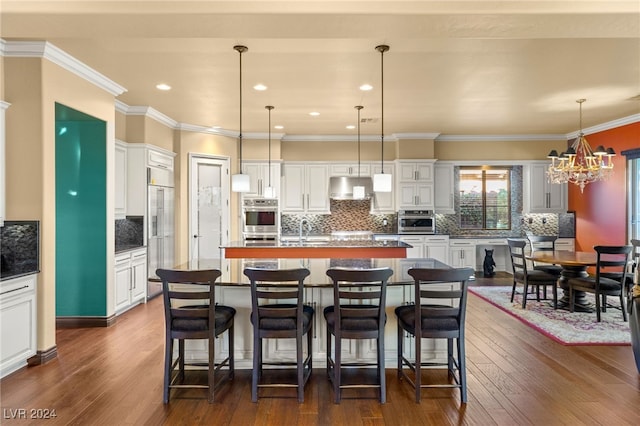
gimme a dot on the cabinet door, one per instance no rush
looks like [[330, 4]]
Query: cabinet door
[[293, 188], [417, 249], [407, 196], [138, 275], [383, 202], [317, 188], [17, 326], [122, 283], [350, 169], [542, 196], [424, 193], [444, 189], [424, 172], [256, 179], [437, 248], [120, 190]]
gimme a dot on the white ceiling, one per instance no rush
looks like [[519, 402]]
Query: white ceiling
[[453, 68]]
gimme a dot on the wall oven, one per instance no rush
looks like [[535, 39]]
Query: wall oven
[[260, 219], [416, 222]]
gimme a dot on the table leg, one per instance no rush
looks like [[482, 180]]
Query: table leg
[[581, 303]]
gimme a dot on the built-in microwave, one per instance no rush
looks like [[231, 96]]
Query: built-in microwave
[[260, 218], [416, 222]]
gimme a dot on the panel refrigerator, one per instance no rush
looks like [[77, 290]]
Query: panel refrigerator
[[160, 225]]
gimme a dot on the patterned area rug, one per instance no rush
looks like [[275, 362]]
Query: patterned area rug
[[564, 327]]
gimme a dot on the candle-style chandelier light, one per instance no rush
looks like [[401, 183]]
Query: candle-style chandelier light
[[580, 164]]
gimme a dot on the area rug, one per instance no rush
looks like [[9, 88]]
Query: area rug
[[577, 328]]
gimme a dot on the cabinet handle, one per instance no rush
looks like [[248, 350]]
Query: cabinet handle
[[307, 200], [302, 200]]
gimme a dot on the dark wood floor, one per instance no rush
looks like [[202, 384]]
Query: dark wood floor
[[113, 376]]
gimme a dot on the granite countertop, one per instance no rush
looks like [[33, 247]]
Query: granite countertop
[[127, 247], [318, 243]]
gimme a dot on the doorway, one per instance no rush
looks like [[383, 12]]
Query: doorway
[[208, 206]]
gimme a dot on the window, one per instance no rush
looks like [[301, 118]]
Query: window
[[485, 197], [633, 197]]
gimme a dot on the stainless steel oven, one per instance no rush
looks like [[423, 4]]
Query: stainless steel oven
[[416, 222], [260, 219]]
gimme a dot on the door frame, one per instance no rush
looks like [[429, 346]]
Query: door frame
[[222, 161]]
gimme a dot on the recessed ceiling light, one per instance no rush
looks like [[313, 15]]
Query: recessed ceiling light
[[366, 87], [215, 127], [163, 86], [351, 127], [278, 127], [260, 87], [314, 113]]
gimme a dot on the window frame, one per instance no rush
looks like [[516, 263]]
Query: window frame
[[483, 169]]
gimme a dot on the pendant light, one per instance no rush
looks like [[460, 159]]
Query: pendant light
[[240, 182], [358, 190], [269, 191], [381, 181]]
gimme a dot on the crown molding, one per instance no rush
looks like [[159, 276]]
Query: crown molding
[[498, 138], [421, 136], [46, 50], [335, 138], [605, 126], [207, 130], [4, 105]]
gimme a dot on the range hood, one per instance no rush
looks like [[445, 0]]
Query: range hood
[[341, 187]]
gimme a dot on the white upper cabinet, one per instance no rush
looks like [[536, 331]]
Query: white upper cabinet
[[540, 196], [444, 188], [261, 175], [415, 187], [383, 202], [120, 202], [305, 188], [349, 169]]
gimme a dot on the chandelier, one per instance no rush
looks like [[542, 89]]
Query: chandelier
[[580, 164]]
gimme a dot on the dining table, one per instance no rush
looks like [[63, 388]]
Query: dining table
[[574, 264]]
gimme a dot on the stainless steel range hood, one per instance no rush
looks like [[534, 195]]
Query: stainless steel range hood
[[341, 187]]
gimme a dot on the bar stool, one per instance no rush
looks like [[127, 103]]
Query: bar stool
[[361, 316], [201, 321], [273, 319]]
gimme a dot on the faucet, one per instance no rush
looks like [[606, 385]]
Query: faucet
[[304, 224]]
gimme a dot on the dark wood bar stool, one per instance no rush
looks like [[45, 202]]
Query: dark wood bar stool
[[194, 321], [358, 312], [272, 318], [426, 320]]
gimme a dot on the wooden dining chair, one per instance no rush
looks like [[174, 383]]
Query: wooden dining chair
[[530, 279], [544, 243], [358, 312], [278, 312], [191, 312], [438, 313], [609, 279]]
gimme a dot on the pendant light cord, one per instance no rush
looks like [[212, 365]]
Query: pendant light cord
[[382, 48], [269, 107], [240, 49], [359, 107]]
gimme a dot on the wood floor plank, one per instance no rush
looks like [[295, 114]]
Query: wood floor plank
[[516, 375]]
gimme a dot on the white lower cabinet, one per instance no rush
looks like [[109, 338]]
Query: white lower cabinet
[[462, 254], [427, 246], [17, 323], [130, 279]]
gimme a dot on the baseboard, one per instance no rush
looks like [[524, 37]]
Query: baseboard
[[42, 357], [83, 322]]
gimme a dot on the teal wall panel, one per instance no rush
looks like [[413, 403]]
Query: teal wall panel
[[81, 193]]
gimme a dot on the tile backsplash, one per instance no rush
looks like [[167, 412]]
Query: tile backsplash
[[129, 233], [19, 248]]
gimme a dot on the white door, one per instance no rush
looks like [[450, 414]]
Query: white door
[[208, 206]]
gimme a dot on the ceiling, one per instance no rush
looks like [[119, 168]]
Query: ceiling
[[453, 68]]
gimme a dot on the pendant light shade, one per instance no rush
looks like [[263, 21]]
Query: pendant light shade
[[382, 182], [240, 182], [269, 191]]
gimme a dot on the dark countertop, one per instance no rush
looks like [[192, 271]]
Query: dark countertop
[[127, 247], [318, 268], [318, 243]]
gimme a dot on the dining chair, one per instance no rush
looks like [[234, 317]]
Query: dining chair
[[529, 278], [278, 312], [609, 279], [438, 313], [358, 312], [187, 317], [544, 243]]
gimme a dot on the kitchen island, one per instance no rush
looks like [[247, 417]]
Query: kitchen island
[[310, 249], [233, 289]]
